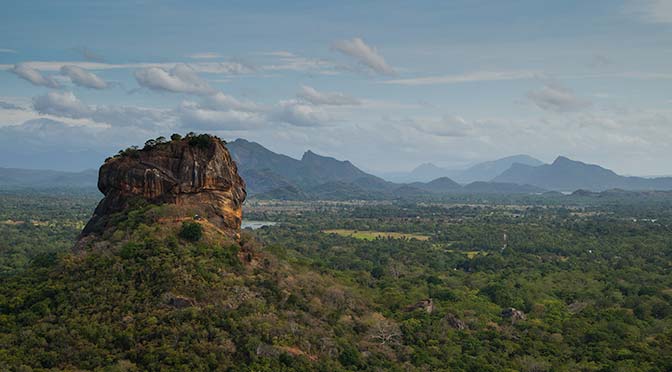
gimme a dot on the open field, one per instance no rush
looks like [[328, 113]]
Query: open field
[[371, 235]]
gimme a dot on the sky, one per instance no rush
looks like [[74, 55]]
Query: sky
[[387, 85]]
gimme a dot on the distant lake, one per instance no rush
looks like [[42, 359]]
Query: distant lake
[[250, 224]]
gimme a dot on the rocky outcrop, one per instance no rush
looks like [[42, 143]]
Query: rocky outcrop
[[196, 173], [426, 305], [454, 322], [513, 314]]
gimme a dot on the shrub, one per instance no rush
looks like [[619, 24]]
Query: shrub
[[191, 231], [201, 141], [175, 137]]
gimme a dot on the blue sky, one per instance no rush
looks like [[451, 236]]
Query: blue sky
[[385, 84]]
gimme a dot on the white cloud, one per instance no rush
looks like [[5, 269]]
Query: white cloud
[[57, 65], [315, 97], [198, 117], [67, 105], [288, 61], [206, 55], [7, 50], [63, 104], [179, 79], [298, 114], [226, 68], [219, 101], [224, 112], [556, 98], [653, 11], [34, 76], [230, 68], [448, 126], [365, 54], [467, 78], [81, 77]]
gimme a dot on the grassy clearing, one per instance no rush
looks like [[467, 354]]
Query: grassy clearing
[[469, 254], [370, 235]]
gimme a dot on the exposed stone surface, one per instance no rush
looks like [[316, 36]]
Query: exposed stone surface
[[178, 301], [426, 304], [455, 322], [513, 314], [195, 173]]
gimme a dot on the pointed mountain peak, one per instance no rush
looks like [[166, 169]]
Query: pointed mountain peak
[[426, 166], [563, 160], [310, 154]]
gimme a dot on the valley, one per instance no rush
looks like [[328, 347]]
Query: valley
[[589, 277]]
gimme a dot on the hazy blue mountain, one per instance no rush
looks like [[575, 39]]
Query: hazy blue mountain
[[488, 170], [265, 170], [274, 175], [484, 171], [569, 175], [427, 172], [439, 185], [41, 179]]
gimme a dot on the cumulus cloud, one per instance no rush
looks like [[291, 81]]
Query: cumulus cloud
[[34, 76], [448, 126], [298, 114], [311, 95], [365, 54], [198, 117], [179, 79], [63, 104], [467, 78], [83, 78], [556, 98], [219, 101], [224, 112], [67, 105]]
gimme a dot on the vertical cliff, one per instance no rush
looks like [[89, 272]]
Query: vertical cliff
[[196, 173]]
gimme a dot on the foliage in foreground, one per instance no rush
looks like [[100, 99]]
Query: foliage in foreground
[[594, 285]]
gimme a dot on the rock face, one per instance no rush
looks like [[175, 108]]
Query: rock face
[[426, 304], [513, 314], [195, 173]]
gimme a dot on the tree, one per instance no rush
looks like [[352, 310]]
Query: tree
[[150, 143], [385, 331], [191, 231]]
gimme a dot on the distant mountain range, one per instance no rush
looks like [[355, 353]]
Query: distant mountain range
[[272, 175], [569, 175], [484, 171], [277, 176], [41, 179]]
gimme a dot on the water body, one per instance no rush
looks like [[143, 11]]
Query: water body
[[250, 224]]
